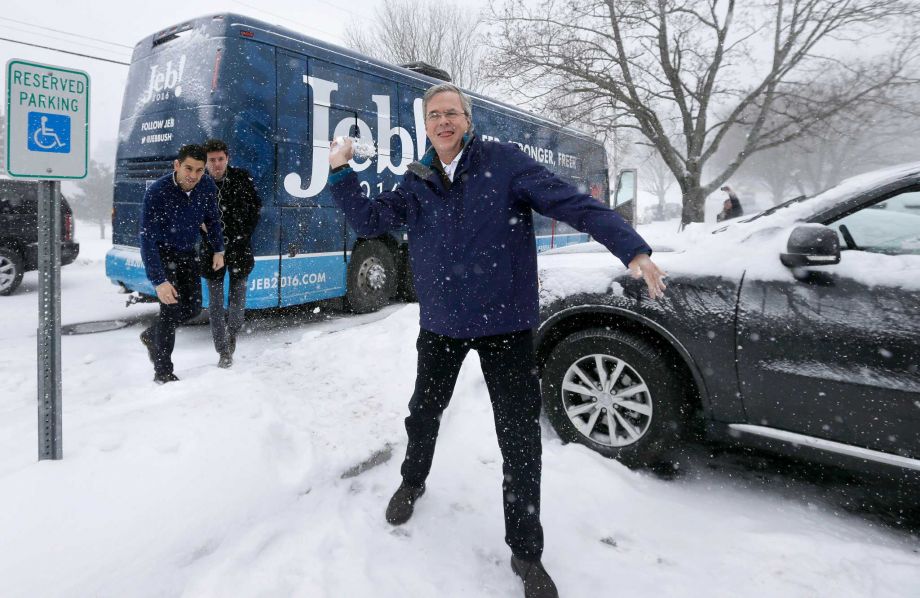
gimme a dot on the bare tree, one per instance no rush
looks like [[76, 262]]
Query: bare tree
[[849, 147], [776, 169], [657, 177], [685, 73], [773, 169], [93, 200], [869, 137], [443, 35]]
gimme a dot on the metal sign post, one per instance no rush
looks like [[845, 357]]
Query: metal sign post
[[49, 321], [47, 137]]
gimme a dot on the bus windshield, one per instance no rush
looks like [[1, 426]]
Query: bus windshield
[[177, 74]]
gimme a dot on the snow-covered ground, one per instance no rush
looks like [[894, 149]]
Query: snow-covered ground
[[243, 482]]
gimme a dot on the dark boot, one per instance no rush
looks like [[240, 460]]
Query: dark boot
[[537, 582], [164, 378], [225, 361], [231, 343], [403, 503], [147, 339]]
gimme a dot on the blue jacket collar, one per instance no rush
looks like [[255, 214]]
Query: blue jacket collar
[[424, 168]]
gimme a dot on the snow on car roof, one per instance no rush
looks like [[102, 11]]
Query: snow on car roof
[[750, 248]]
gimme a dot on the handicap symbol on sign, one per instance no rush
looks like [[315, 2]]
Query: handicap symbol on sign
[[49, 132]]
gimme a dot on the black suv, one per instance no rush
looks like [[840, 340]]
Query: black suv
[[19, 232], [797, 330]]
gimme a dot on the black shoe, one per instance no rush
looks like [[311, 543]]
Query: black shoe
[[164, 378], [225, 361], [403, 503], [231, 345], [537, 582], [151, 347]]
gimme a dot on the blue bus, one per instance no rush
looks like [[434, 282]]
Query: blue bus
[[277, 97]]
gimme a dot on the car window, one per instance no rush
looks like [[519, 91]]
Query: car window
[[18, 197], [891, 227]]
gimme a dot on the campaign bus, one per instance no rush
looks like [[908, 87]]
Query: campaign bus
[[277, 98]]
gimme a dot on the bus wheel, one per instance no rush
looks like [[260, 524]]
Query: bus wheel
[[371, 277]]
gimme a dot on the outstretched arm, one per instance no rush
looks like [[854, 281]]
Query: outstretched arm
[[551, 196]]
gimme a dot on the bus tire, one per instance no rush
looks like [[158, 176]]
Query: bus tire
[[372, 277]]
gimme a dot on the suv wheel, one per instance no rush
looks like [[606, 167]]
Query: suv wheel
[[616, 394], [10, 270]]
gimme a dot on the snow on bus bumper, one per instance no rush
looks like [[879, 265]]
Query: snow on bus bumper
[[123, 266]]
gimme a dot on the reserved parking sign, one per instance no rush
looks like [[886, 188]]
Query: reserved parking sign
[[47, 127]]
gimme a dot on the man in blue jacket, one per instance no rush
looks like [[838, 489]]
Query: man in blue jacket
[[175, 207], [467, 205]]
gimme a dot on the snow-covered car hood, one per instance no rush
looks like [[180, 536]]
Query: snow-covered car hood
[[749, 246]]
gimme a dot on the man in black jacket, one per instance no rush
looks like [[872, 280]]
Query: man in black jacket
[[239, 206]]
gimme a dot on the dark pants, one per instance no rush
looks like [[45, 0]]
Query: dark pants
[[182, 272], [226, 322], [511, 376]]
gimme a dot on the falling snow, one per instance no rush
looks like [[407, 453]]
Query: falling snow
[[233, 482]]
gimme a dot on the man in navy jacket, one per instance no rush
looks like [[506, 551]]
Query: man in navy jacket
[[175, 207], [467, 205]]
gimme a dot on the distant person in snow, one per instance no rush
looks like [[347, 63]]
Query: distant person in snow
[[175, 207], [467, 205], [239, 207], [731, 207]]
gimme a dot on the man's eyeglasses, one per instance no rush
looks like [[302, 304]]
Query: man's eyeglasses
[[449, 115]]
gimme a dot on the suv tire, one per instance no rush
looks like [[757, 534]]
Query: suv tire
[[647, 423], [10, 270]]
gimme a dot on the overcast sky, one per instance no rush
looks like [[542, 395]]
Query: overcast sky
[[111, 28]]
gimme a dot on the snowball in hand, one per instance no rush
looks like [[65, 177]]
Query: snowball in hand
[[360, 148]]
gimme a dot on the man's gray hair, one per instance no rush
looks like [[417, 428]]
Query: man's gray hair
[[445, 87]]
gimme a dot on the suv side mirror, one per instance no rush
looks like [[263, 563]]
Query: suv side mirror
[[811, 245]]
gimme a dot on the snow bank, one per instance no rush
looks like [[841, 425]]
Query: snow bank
[[230, 482]]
